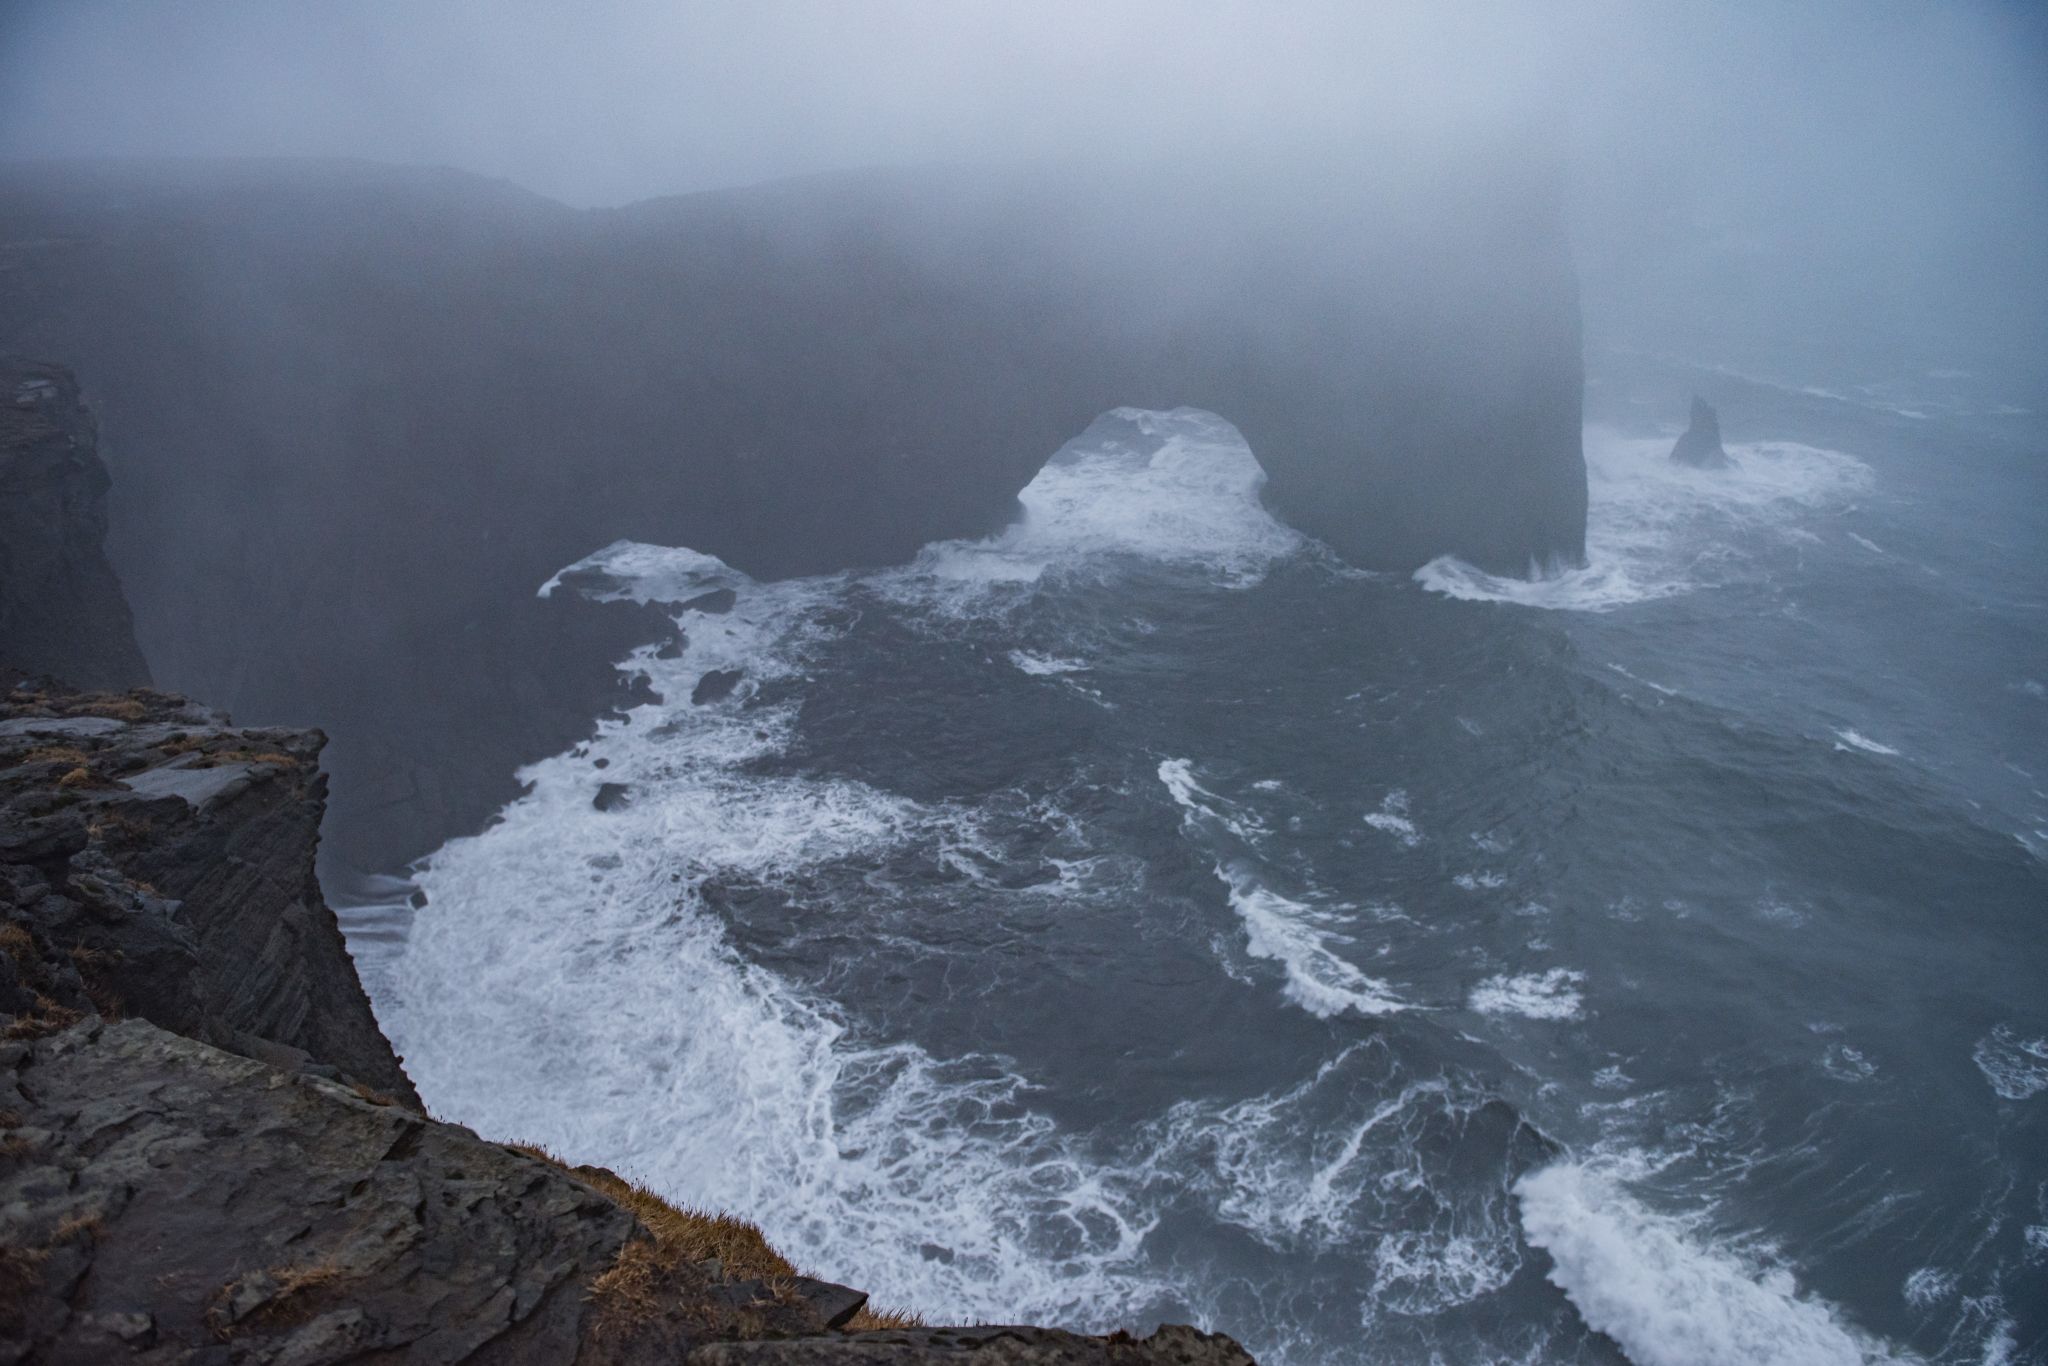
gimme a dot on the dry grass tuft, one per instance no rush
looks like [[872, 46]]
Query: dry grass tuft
[[124, 709], [55, 754], [21, 1275], [49, 1018], [629, 1292], [89, 1225], [274, 1297], [93, 966], [17, 941]]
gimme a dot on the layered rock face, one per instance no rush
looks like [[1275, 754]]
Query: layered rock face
[[359, 414], [157, 860], [61, 609]]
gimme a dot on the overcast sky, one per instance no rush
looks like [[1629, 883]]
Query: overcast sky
[[1915, 131]]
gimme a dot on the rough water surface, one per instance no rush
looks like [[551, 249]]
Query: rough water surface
[[1143, 915]]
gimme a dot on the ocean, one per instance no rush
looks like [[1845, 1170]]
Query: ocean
[[1143, 915]]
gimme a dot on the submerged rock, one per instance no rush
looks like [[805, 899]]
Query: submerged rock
[[1700, 447], [716, 686]]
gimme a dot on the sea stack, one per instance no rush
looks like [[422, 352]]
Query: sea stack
[[1700, 447]]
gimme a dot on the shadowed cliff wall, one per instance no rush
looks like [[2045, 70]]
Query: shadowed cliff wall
[[357, 414], [61, 610]]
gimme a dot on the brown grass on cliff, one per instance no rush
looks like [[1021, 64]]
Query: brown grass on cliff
[[280, 1296], [685, 1237]]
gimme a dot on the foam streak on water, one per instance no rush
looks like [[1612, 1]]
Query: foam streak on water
[[1302, 938]]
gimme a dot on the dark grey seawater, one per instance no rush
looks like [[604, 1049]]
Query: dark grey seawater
[[1145, 916]]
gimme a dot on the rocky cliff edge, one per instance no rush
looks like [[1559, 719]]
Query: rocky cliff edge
[[210, 1156]]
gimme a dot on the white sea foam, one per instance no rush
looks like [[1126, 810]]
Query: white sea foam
[[1040, 665], [1343, 1160], [1667, 1294], [1928, 1285], [1551, 995], [1193, 503], [2017, 1068], [1392, 817], [638, 572], [567, 982], [1302, 938], [1655, 528], [1852, 740]]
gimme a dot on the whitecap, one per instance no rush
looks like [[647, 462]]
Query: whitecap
[[1667, 1295], [1392, 817], [1192, 503], [1041, 665], [634, 571], [1655, 528], [1300, 937], [1851, 739], [1345, 1161], [1928, 1285], [1551, 995], [2016, 1068]]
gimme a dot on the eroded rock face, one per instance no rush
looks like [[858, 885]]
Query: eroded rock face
[[157, 860], [162, 1200], [61, 609]]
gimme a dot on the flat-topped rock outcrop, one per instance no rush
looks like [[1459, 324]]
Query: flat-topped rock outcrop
[[157, 860]]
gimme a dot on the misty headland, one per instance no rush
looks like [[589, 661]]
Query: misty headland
[[370, 410], [1368, 676]]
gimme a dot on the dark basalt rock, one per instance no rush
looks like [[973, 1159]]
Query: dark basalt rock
[[157, 860], [610, 796], [160, 1195], [61, 609], [716, 686], [1700, 447]]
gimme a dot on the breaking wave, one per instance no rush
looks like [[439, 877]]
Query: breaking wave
[[1655, 528]]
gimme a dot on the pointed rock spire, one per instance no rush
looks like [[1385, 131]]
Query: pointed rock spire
[[1700, 447]]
